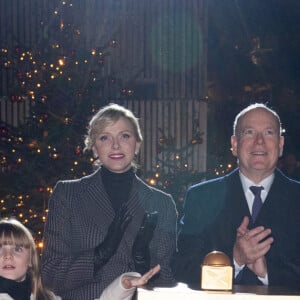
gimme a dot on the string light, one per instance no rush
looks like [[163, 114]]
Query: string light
[[37, 75]]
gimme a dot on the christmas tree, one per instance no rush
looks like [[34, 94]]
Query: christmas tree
[[70, 70], [59, 83], [172, 173]]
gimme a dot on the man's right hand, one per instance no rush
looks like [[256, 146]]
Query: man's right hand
[[251, 246]]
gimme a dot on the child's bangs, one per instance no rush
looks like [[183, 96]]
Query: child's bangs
[[10, 235]]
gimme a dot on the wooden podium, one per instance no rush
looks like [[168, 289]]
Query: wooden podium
[[181, 292]]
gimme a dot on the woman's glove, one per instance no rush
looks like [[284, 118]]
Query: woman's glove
[[105, 250], [140, 249]]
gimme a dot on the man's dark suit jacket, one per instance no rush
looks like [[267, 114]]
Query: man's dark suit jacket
[[80, 213], [214, 210]]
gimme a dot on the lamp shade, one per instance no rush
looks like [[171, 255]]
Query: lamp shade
[[216, 272], [216, 258]]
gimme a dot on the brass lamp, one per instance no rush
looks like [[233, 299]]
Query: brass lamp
[[217, 272]]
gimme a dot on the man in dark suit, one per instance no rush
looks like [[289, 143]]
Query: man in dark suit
[[218, 214]]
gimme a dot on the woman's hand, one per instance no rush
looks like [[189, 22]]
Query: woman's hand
[[129, 281]]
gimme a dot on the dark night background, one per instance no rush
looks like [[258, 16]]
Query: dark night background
[[253, 56], [252, 48]]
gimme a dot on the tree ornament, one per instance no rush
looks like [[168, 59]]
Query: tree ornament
[[78, 150]]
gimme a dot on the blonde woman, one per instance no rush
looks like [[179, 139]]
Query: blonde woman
[[109, 222]]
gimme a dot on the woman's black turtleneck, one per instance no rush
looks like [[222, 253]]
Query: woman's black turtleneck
[[117, 186]]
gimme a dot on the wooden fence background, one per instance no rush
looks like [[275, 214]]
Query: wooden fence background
[[172, 130], [160, 51], [14, 112]]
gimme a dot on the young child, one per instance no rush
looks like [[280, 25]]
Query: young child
[[20, 277]]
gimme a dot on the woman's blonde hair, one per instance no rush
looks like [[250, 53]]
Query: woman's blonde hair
[[13, 232], [107, 116]]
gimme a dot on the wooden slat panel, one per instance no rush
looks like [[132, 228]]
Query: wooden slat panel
[[155, 42], [155, 39], [168, 129], [14, 113]]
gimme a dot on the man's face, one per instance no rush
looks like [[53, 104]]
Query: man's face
[[257, 144]]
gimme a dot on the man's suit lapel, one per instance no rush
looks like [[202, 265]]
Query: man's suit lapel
[[237, 203], [273, 204]]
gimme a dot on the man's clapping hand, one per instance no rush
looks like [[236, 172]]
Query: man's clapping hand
[[251, 246]]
